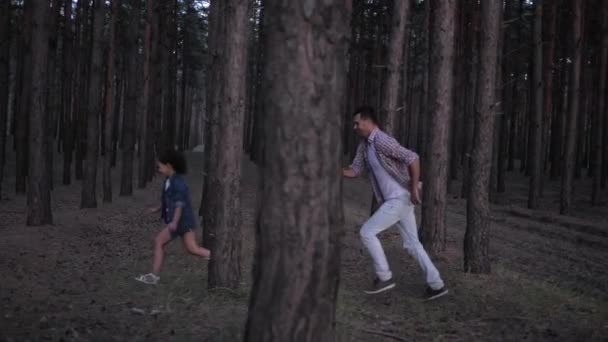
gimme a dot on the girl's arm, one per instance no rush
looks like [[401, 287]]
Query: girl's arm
[[180, 199], [175, 221]]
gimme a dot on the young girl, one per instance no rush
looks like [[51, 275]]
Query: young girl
[[176, 213]]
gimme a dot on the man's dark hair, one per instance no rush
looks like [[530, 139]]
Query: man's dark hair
[[367, 112], [174, 158]]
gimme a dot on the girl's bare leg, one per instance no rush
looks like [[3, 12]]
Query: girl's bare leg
[[191, 246], [159, 249]]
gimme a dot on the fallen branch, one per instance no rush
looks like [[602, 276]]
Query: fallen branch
[[382, 333]]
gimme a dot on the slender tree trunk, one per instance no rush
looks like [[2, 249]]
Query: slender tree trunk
[[155, 109], [581, 122], [22, 118], [536, 124], [297, 252], [39, 193], [147, 101], [258, 140], [169, 46], [509, 84], [499, 112], [131, 94], [110, 92], [550, 27], [117, 110], [5, 42], [458, 117], [94, 109], [569, 158], [398, 36], [188, 118], [54, 84], [559, 119], [477, 236], [68, 81], [186, 73], [221, 202], [82, 100], [181, 123], [602, 111], [256, 143], [424, 100], [441, 87], [471, 57]]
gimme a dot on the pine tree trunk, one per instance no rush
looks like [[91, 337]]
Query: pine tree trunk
[[441, 87], [181, 123], [221, 202], [54, 83], [536, 124], [68, 82], [155, 109], [5, 42], [169, 67], [23, 110], [131, 94], [395, 64], [558, 135], [471, 56], [94, 109], [423, 111], [188, 117], [602, 110], [499, 110], [82, 97], [476, 241], [258, 142], [301, 219], [550, 26], [509, 84], [110, 92], [569, 158], [581, 122], [146, 131], [38, 191], [458, 117], [117, 111]]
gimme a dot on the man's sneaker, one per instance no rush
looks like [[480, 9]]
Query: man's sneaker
[[150, 278], [434, 294], [380, 286]]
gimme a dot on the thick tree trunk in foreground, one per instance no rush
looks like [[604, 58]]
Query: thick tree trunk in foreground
[[301, 220]]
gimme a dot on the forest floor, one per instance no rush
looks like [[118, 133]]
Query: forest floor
[[73, 281]]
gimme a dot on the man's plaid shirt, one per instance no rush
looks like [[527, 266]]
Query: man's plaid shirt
[[393, 157]]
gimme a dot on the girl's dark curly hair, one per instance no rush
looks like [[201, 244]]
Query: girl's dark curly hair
[[174, 158]]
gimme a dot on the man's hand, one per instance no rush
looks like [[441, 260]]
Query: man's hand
[[348, 173], [415, 185], [172, 226], [415, 195]]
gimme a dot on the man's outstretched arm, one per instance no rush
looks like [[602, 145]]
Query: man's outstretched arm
[[357, 167]]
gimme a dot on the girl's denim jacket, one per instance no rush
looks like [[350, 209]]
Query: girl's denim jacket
[[177, 195]]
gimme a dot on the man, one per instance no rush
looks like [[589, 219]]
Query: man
[[394, 173]]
